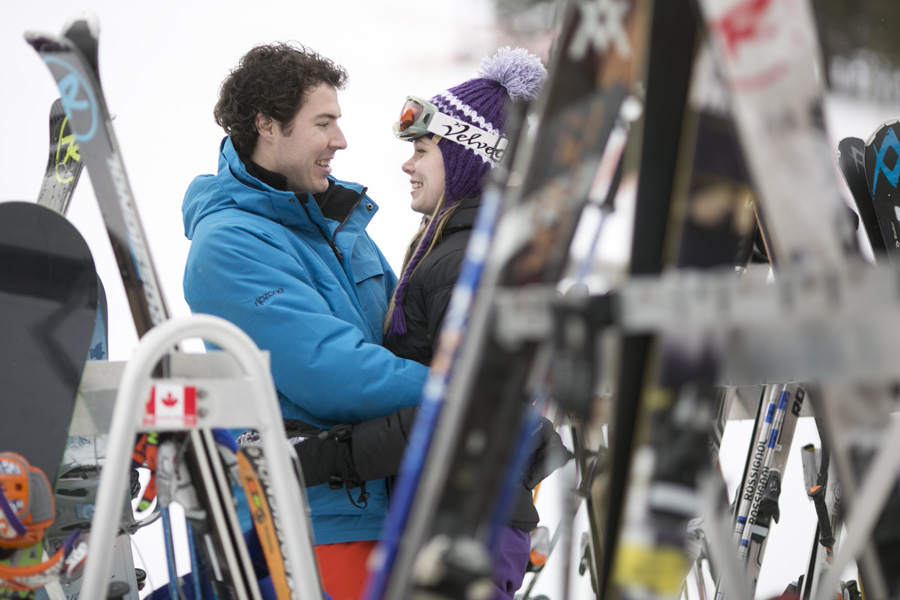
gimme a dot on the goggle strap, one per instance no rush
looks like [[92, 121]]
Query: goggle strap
[[483, 143]]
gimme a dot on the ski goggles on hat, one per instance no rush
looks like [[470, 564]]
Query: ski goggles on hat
[[419, 117]]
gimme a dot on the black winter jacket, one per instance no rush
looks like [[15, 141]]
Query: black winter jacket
[[427, 297], [429, 288]]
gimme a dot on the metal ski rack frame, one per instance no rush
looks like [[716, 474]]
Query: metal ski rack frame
[[838, 336], [240, 395], [764, 331]]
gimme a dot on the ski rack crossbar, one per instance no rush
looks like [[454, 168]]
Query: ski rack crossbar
[[126, 422], [817, 327]]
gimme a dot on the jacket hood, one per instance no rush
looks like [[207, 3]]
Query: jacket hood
[[204, 195]]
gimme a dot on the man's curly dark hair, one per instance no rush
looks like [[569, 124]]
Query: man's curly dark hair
[[272, 79]]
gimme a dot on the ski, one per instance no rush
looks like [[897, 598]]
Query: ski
[[64, 167], [572, 355], [255, 479], [64, 163], [451, 519], [882, 153], [852, 164], [767, 53], [768, 469], [667, 80], [694, 196], [72, 60]]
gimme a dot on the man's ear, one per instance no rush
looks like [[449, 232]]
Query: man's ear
[[265, 126]]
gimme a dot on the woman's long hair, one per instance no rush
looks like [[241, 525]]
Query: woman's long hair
[[423, 242]]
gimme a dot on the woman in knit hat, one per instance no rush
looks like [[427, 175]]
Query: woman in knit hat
[[457, 138]]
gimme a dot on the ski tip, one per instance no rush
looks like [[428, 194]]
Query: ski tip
[[43, 42], [83, 32], [82, 22], [887, 124], [56, 110], [848, 144]]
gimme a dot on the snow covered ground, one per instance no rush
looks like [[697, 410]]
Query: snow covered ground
[[161, 64]]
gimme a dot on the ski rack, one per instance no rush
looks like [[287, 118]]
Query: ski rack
[[234, 389], [830, 327], [807, 326]]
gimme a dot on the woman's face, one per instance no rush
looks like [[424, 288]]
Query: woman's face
[[426, 175]]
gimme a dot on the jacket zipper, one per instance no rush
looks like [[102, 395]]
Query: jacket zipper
[[331, 241], [337, 251], [350, 212]]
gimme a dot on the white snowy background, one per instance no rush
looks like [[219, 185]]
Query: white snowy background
[[161, 64]]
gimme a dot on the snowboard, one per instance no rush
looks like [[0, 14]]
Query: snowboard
[[49, 288], [48, 291]]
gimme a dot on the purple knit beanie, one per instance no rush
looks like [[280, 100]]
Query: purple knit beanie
[[512, 74]]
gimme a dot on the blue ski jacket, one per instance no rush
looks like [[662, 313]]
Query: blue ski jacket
[[313, 292]]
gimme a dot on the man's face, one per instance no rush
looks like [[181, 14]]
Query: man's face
[[303, 154]]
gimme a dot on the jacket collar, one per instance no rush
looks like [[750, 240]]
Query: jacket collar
[[288, 208]]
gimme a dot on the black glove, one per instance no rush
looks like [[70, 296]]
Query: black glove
[[328, 458]]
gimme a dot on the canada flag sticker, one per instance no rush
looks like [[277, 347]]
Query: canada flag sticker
[[171, 405]]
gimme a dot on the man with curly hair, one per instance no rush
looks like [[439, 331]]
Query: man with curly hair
[[279, 248]]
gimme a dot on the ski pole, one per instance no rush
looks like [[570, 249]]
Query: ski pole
[[748, 493], [754, 474], [771, 447]]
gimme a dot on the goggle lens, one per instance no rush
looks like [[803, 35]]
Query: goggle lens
[[410, 114]]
